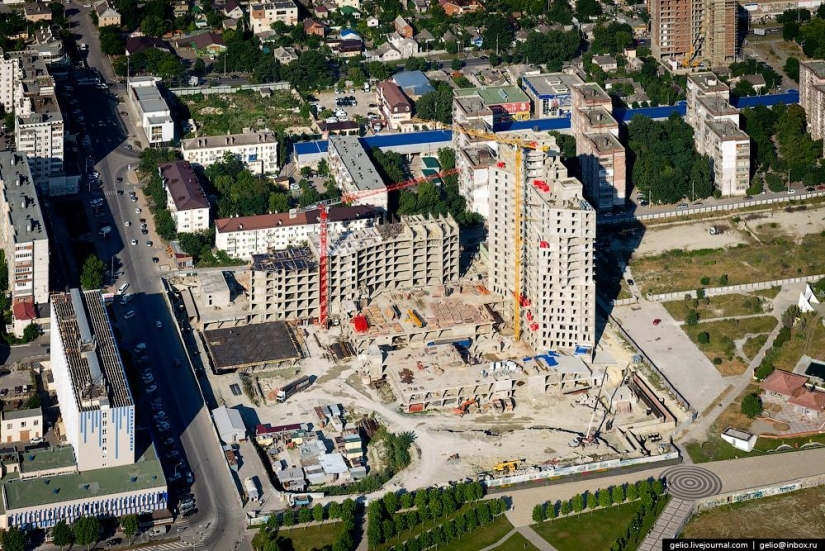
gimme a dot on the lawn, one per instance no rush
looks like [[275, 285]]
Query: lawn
[[808, 341], [767, 293], [798, 513], [482, 537], [230, 113], [597, 530], [312, 537], [409, 534], [714, 448], [778, 258], [516, 542], [723, 306], [722, 334], [753, 345]]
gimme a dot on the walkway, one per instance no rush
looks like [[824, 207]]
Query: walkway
[[529, 534]]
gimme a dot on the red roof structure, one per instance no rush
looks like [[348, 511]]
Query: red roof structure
[[24, 311], [265, 221], [810, 399], [783, 383]]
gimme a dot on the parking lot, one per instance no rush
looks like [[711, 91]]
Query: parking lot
[[364, 104]]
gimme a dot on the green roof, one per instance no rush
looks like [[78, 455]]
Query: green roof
[[44, 459], [143, 475], [494, 95], [348, 10]]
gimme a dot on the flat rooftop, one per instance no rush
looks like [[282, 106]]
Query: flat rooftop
[[718, 106], [357, 162], [728, 131], [95, 367], [600, 117], [238, 347], [564, 193], [210, 142], [593, 93], [494, 95], [150, 99], [45, 459], [145, 474], [605, 142], [708, 83], [20, 198], [284, 260], [817, 66], [549, 85], [213, 283]]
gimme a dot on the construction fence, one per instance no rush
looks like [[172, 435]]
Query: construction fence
[[729, 289]]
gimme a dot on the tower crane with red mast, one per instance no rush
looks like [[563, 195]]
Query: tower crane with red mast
[[348, 198]]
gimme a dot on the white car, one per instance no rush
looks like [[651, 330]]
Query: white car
[[122, 288], [158, 324], [163, 425], [160, 414], [128, 223], [125, 299], [148, 378], [130, 314], [138, 210], [151, 388], [791, 192], [134, 241]]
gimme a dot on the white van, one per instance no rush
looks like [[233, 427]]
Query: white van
[[122, 289], [157, 530]]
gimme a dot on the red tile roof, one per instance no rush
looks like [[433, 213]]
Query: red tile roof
[[183, 186], [811, 399], [783, 382], [24, 311], [264, 221], [395, 98]]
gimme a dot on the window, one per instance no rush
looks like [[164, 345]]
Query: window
[[36, 422], [22, 424], [8, 426]]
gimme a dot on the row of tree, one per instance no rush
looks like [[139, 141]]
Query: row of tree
[[614, 495], [471, 519], [790, 325], [84, 531], [269, 538]]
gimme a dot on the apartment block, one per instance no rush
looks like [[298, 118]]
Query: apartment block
[[551, 94], [812, 95], [155, 115], [258, 150], [185, 197], [685, 33], [10, 74], [245, 236], [558, 232], [474, 164], [601, 155], [25, 241], [715, 124], [262, 16], [352, 169], [393, 104], [96, 402], [491, 104], [413, 253]]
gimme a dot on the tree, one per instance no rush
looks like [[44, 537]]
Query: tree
[[565, 507], [318, 513], [587, 8], [91, 276], [14, 539], [164, 224], [791, 67], [304, 515], [618, 494], [577, 503], [592, 503], [604, 498], [62, 534], [658, 486], [497, 33], [390, 502], [692, 318], [752, 405], [436, 105], [703, 337], [35, 400], [789, 316], [87, 531], [130, 525], [632, 492], [550, 510], [110, 41], [334, 510], [538, 513]]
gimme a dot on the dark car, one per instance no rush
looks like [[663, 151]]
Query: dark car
[[657, 321], [155, 260], [120, 192], [114, 541], [144, 232], [630, 282], [119, 180], [189, 513]]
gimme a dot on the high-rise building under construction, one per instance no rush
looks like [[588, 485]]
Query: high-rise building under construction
[[687, 33]]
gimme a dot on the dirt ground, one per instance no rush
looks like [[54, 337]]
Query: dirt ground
[[695, 235], [798, 514]]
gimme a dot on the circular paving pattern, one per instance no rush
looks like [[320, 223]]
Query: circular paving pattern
[[691, 482]]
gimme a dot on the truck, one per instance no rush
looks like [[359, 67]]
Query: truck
[[194, 81], [295, 386], [251, 487]]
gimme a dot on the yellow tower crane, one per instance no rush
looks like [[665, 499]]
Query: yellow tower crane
[[518, 189]]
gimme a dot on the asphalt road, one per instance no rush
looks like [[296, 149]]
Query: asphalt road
[[218, 523]]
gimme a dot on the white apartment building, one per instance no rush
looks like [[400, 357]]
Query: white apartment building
[[352, 169], [474, 164], [717, 134], [416, 252], [155, 115], [24, 239], [10, 74], [812, 95], [262, 16], [40, 137], [96, 403], [258, 151], [558, 295], [185, 197], [245, 236], [22, 425]]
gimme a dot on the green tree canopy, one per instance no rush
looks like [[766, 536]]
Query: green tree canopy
[[751, 405], [62, 534], [130, 525], [436, 105], [86, 531], [91, 276]]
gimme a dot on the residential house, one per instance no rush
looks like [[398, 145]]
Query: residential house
[[204, 44], [385, 53], [757, 82], [232, 24], [408, 47], [312, 27], [373, 22], [321, 11], [459, 7], [262, 16], [349, 11], [180, 8], [413, 83], [393, 104], [22, 425], [37, 11], [347, 48], [421, 6], [606, 63], [107, 15], [342, 128], [285, 54], [232, 9], [185, 197], [138, 44], [257, 150], [402, 27], [348, 4], [425, 37], [785, 387], [477, 40]]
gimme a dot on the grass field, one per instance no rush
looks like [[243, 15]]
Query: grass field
[[310, 538], [231, 113], [753, 345], [723, 333], [425, 526], [723, 306], [809, 341], [597, 530], [714, 448], [796, 514], [482, 537], [777, 258], [516, 542], [767, 293]]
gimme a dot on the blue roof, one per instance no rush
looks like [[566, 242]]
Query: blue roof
[[406, 79], [383, 140], [791, 96], [349, 34]]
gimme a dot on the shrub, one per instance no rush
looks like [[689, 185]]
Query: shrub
[[704, 281], [723, 281], [703, 337], [782, 337], [717, 361], [752, 405], [692, 318]]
